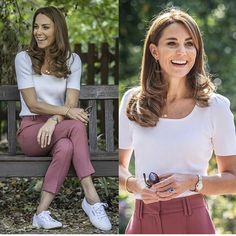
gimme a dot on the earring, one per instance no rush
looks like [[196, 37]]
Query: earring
[[157, 69]]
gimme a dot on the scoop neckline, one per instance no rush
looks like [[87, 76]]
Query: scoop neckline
[[180, 119]]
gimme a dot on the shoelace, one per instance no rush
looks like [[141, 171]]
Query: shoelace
[[46, 216], [99, 209]]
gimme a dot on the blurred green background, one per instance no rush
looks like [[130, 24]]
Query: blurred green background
[[217, 21]]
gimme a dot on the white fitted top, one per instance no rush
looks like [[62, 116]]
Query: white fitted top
[[49, 89], [179, 145]]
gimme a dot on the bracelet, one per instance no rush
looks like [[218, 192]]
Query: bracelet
[[126, 181], [67, 110], [55, 119]]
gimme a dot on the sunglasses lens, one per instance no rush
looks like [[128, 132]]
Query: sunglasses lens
[[153, 177]]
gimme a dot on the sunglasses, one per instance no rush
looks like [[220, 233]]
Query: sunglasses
[[88, 109], [152, 179]]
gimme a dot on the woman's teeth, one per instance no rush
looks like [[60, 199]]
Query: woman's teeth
[[179, 62]]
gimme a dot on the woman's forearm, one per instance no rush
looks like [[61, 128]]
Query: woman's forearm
[[224, 183], [131, 184], [43, 108]]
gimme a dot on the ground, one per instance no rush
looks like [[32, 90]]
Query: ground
[[19, 198]]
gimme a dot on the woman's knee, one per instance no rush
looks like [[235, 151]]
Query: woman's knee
[[63, 146], [78, 125]]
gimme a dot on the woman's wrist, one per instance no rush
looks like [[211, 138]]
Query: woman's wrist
[[54, 119], [67, 110], [127, 181], [193, 179], [133, 185]]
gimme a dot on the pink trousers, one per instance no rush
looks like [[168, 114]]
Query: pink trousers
[[186, 215], [69, 143]]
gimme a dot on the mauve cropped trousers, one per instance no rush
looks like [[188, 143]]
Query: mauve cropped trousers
[[185, 215], [69, 143]]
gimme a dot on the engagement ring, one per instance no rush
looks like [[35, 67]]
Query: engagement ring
[[171, 190]]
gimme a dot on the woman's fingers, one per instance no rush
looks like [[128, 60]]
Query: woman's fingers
[[44, 138]]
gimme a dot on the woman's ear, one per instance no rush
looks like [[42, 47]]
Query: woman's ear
[[154, 51]]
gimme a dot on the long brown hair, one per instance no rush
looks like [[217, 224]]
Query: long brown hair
[[59, 51], [146, 105]]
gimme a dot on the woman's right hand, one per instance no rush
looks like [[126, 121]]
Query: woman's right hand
[[78, 114], [148, 195]]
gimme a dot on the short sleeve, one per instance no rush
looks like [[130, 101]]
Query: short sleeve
[[24, 71], [73, 80], [224, 138], [125, 127]]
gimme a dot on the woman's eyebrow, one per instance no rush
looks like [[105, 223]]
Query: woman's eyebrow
[[172, 38], [47, 24]]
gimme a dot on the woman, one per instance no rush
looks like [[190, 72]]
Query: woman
[[173, 122], [48, 77]]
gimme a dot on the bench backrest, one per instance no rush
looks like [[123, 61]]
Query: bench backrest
[[93, 93]]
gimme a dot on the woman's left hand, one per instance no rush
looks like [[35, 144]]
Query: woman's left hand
[[45, 133], [172, 185]]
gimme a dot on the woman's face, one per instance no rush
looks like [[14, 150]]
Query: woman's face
[[44, 31], [175, 51]]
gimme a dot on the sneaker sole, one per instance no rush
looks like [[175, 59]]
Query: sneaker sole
[[92, 221]]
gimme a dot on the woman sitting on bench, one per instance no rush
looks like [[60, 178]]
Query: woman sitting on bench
[[48, 77]]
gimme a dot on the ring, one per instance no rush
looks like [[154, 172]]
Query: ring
[[171, 190]]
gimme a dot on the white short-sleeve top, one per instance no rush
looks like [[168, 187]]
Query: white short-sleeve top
[[179, 145], [49, 88]]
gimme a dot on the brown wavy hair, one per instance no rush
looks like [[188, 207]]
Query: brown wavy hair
[[60, 50], [146, 104]]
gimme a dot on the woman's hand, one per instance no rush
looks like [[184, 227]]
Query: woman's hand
[[45, 133], [137, 185], [149, 195], [78, 114], [172, 185]]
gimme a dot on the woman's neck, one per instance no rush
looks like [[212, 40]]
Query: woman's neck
[[177, 89]]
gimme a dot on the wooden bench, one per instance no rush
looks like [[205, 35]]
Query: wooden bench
[[15, 164]]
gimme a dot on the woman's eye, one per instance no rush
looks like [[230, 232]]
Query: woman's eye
[[171, 43], [45, 27], [189, 44]]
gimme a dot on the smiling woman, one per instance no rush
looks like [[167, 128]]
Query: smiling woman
[[48, 77], [173, 122]]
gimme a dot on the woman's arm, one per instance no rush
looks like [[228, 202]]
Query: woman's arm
[[222, 183], [225, 181], [133, 185], [30, 97], [72, 98], [124, 160]]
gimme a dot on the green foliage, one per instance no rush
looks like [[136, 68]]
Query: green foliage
[[91, 21]]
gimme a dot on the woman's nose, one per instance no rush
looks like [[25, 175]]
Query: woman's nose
[[38, 31], [181, 49]]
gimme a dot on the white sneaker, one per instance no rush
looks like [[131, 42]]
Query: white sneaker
[[97, 214], [44, 220]]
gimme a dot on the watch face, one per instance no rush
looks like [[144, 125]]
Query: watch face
[[199, 185]]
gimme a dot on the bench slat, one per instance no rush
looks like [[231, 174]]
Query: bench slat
[[93, 126], [10, 92], [22, 166], [11, 112], [109, 125]]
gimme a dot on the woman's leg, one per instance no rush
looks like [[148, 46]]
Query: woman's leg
[[45, 201], [89, 190]]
